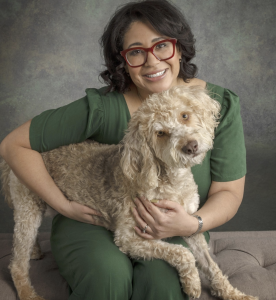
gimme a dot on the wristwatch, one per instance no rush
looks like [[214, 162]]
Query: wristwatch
[[200, 224]]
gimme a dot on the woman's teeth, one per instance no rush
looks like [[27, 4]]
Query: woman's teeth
[[156, 74]]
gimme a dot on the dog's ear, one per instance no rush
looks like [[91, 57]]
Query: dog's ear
[[210, 110], [137, 161]]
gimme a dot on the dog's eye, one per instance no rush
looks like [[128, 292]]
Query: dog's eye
[[185, 116], [160, 133]]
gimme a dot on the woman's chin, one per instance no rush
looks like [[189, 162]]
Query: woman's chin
[[158, 87]]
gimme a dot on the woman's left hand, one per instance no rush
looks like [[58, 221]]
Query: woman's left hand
[[175, 221]]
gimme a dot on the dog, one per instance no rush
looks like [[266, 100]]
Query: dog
[[171, 132]]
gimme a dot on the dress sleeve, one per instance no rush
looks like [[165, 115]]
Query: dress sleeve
[[228, 157], [72, 123]]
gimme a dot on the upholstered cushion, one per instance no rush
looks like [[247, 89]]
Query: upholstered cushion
[[249, 261], [247, 258]]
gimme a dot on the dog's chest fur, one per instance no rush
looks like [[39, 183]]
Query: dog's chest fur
[[176, 185]]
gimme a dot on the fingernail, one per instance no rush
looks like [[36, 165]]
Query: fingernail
[[154, 200]]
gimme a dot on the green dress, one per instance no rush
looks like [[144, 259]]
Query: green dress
[[86, 254]]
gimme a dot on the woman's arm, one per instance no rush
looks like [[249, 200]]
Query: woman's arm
[[29, 167], [222, 204], [224, 200]]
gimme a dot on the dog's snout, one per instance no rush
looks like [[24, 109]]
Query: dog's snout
[[191, 147]]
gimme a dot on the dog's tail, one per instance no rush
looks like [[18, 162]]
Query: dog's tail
[[5, 172]]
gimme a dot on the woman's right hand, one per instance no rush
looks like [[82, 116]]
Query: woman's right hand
[[30, 169], [83, 213]]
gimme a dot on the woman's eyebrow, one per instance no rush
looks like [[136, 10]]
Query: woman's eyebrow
[[154, 40]]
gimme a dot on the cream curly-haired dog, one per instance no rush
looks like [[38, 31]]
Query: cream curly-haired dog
[[170, 132]]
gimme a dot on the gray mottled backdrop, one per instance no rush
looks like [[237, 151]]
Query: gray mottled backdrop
[[49, 54]]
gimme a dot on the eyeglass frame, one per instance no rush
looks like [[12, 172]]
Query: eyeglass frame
[[147, 50]]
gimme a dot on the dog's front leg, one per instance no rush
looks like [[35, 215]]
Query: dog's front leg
[[176, 255], [220, 285]]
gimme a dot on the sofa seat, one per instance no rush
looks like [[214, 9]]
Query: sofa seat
[[247, 258]]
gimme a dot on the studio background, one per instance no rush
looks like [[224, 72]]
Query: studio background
[[49, 54]]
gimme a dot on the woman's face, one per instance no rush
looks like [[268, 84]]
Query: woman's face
[[144, 35]]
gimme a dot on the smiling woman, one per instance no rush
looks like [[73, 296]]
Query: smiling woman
[[148, 47], [163, 20]]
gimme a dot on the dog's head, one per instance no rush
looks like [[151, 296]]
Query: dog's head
[[175, 127]]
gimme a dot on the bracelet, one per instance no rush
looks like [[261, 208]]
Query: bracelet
[[200, 224]]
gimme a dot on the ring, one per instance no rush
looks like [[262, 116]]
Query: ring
[[144, 230]]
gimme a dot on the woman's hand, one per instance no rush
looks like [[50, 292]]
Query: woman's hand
[[175, 221], [83, 213]]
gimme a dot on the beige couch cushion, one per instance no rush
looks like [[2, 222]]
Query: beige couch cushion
[[249, 261], [247, 258]]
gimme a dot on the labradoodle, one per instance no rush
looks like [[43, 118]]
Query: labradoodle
[[170, 133]]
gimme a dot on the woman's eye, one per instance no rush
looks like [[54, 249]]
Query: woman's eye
[[135, 52], [161, 45], [160, 133], [185, 116]]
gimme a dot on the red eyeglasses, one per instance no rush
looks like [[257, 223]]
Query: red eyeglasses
[[136, 57]]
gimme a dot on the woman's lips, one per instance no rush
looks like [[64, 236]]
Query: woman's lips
[[156, 76]]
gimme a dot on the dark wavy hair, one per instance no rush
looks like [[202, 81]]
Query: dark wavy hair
[[165, 19]]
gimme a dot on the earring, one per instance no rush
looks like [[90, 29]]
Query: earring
[[180, 60]]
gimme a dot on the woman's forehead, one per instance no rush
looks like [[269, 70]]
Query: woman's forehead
[[141, 34]]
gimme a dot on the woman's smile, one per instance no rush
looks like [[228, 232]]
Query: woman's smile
[[157, 75]]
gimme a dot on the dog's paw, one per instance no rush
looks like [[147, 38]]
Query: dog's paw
[[37, 255], [36, 252], [194, 291], [191, 284]]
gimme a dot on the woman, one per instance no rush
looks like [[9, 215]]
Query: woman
[[86, 255]]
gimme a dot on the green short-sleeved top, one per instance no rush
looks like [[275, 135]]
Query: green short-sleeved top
[[104, 118]]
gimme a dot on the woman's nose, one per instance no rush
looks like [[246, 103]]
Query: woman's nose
[[151, 60]]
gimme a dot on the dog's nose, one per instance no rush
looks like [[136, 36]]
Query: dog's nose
[[191, 147]]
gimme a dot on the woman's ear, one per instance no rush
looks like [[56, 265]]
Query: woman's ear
[[178, 52]]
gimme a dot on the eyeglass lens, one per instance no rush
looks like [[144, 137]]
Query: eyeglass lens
[[162, 50]]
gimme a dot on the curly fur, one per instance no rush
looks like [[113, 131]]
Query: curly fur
[[5, 181], [153, 160]]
